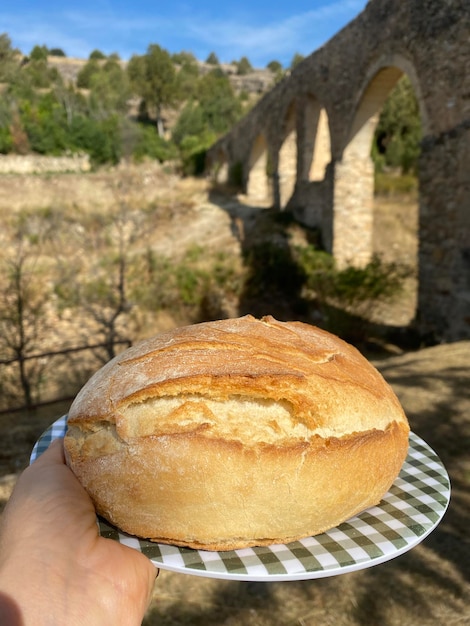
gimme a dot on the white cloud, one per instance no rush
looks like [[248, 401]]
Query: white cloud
[[78, 32], [303, 32]]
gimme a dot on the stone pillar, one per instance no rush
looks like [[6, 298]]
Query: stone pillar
[[257, 185], [444, 237], [353, 211], [287, 168]]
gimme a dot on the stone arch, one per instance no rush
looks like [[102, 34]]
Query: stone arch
[[287, 158], [257, 185], [354, 173]]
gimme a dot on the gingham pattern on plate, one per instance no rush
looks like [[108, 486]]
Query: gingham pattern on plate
[[411, 509]]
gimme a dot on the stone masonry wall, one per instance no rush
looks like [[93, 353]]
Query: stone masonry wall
[[348, 79], [39, 164]]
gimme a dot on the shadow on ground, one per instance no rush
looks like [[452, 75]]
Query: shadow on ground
[[428, 586]]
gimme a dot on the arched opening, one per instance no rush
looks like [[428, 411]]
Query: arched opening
[[354, 176], [363, 223], [220, 168], [319, 144], [258, 188], [395, 153], [287, 165], [313, 196], [322, 150]]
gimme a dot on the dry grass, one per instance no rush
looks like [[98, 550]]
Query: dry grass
[[430, 585]]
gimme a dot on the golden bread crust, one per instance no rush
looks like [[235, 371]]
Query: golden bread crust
[[236, 433]]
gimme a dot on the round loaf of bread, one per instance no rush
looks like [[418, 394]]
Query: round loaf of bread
[[236, 433]]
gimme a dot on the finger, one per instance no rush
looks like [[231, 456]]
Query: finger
[[53, 455]]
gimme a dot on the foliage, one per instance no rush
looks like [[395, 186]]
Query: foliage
[[353, 289], [109, 90], [43, 124], [150, 144], [153, 78], [99, 138], [244, 66], [398, 133], [84, 76], [212, 59], [272, 272], [8, 59], [39, 53], [221, 108], [39, 75], [40, 112], [184, 285], [97, 55], [187, 75], [274, 66], [213, 111], [57, 52], [390, 184], [296, 59]]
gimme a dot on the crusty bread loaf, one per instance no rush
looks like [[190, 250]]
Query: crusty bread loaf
[[236, 433]]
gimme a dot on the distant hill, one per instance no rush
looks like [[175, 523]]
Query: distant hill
[[256, 82]]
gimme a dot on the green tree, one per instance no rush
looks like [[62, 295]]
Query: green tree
[[212, 112], [212, 59], [274, 66], [187, 74], [191, 122], [244, 66], [296, 59], [109, 90], [57, 52], [183, 58], [39, 53], [9, 59], [153, 77], [149, 144], [44, 123], [101, 139], [214, 109], [39, 75], [84, 76], [218, 101], [72, 101], [97, 55], [398, 133], [6, 117]]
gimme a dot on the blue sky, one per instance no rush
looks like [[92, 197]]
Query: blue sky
[[262, 30]]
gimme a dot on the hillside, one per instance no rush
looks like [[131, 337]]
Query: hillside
[[428, 586], [256, 82]]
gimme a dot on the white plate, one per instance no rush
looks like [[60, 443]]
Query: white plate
[[412, 508]]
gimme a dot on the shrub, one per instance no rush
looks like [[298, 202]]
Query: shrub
[[356, 290], [390, 185], [150, 144]]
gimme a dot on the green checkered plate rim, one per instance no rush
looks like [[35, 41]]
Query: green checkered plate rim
[[412, 509]]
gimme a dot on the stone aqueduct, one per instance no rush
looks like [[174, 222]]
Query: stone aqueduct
[[313, 133]]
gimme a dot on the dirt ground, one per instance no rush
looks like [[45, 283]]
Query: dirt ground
[[428, 586]]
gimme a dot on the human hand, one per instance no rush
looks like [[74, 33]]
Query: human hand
[[55, 568]]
